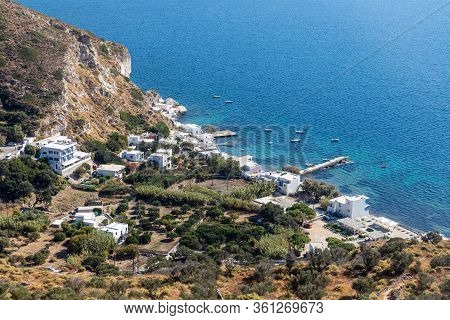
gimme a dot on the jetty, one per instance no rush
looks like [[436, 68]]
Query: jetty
[[224, 134], [325, 165]]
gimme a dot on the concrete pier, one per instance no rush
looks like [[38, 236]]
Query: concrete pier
[[325, 165], [224, 133]]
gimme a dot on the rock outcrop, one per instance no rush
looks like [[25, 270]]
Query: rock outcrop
[[57, 78]]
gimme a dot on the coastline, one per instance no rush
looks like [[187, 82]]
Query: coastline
[[174, 110]]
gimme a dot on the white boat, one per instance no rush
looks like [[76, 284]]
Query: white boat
[[309, 164], [267, 129], [228, 101], [270, 142], [335, 140], [295, 140], [216, 97], [299, 131]]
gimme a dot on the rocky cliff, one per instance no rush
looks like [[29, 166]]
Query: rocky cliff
[[57, 78]]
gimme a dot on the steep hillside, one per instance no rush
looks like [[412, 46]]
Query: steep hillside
[[57, 78]]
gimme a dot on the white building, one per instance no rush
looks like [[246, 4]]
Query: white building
[[286, 182], [249, 168], [132, 156], [62, 154], [206, 141], [162, 158], [111, 170], [135, 140], [193, 129], [349, 206], [87, 218], [117, 230]]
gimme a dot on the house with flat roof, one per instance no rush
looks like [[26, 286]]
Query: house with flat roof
[[62, 154], [249, 168], [111, 170], [192, 129], [286, 183], [162, 158], [132, 155], [87, 218], [117, 230], [349, 206]]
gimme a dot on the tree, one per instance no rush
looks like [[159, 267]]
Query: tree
[[116, 142], [161, 129], [363, 287], [297, 242], [370, 257], [97, 243], [309, 284], [152, 285], [319, 259], [424, 282], [392, 246], [30, 150], [433, 237], [301, 212], [316, 189], [400, 261], [263, 271]]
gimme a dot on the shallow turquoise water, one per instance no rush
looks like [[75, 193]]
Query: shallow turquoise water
[[280, 61]]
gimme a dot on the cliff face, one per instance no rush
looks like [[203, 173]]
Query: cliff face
[[57, 78]]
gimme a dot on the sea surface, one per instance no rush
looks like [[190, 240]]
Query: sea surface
[[373, 73]]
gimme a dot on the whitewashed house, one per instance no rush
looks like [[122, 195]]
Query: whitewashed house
[[146, 137], [162, 158], [87, 218], [349, 206], [117, 230], [132, 155], [111, 170], [286, 182], [192, 129], [62, 154], [249, 168], [206, 141]]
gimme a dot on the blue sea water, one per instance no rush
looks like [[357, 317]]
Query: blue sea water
[[370, 73]]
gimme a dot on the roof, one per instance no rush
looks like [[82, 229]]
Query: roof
[[117, 226], [375, 235], [85, 215], [60, 144], [134, 152], [344, 199], [111, 167], [351, 223]]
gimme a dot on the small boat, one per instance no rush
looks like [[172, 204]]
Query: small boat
[[216, 97], [270, 142], [295, 140], [228, 101], [383, 165], [268, 130], [335, 140], [325, 159], [299, 131], [309, 164]]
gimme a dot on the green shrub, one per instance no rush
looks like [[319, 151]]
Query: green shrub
[[440, 261], [59, 236], [137, 94], [104, 49], [28, 54]]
